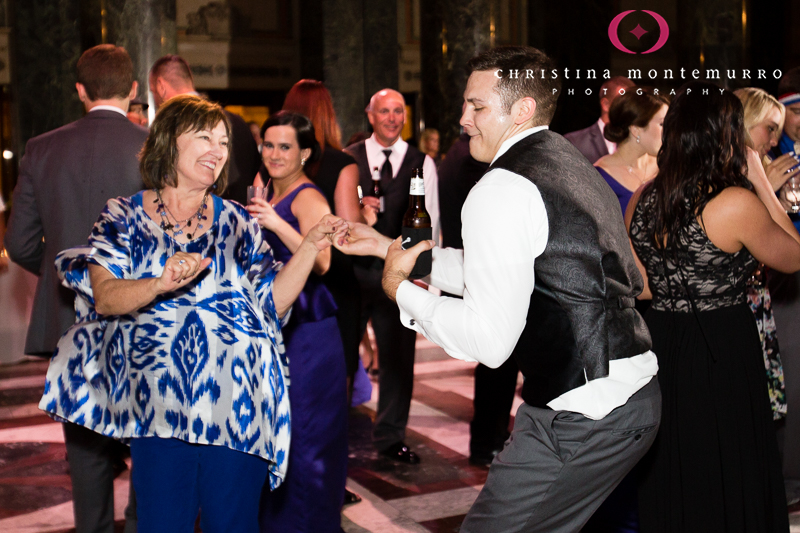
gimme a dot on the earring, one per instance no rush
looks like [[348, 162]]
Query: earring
[[303, 162], [637, 138]]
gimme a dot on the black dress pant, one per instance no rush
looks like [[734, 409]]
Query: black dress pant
[[396, 345], [92, 458], [491, 404], [494, 397]]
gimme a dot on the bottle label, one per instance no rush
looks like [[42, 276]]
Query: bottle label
[[417, 187], [412, 236]]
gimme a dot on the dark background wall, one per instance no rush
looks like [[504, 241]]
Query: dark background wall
[[360, 46]]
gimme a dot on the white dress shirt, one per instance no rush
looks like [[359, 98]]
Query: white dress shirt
[[109, 108], [612, 147], [504, 229], [376, 158]]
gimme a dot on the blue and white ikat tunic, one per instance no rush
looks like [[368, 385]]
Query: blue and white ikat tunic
[[204, 364]]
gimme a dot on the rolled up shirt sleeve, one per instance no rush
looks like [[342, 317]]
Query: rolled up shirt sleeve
[[504, 230]]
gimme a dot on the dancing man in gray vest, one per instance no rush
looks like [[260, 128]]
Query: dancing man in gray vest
[[592, 407]]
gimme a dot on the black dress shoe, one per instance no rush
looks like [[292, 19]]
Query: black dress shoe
[[401, 453], [483, 459], [351, 497]]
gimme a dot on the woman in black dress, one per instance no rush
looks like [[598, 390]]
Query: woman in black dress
[[698, 231], [336, 174]]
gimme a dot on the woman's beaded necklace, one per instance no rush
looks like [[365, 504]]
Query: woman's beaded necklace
[[178, 226]]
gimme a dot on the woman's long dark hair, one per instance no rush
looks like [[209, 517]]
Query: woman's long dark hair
[[703, 152]]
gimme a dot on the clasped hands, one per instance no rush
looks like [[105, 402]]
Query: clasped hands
[[348, 237], [354, 239]]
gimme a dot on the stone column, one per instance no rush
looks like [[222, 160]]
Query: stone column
[[381, 49], [361, 56], [452, 32], [47, 46], [146, 28], [710, 37], [343, 45], [50, 36]]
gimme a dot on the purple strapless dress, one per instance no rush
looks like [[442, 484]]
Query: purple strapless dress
[[623, 194], [310, 499]]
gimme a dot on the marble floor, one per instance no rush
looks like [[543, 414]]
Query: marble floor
[[431, 497]]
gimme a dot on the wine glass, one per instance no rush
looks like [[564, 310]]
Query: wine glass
[[256, 192]]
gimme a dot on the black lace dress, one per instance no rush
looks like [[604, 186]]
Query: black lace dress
[[714, 466], [340, 279]]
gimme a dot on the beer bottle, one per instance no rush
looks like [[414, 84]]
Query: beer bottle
[[417, 225], [377, 191]]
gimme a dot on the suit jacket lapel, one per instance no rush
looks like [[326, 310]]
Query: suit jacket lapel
[[599, 141]]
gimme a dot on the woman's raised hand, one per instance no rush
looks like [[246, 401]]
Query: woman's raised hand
[[755, 172], [180, 269], [264, 213], [327, 229], [780, 170], [370, 209]]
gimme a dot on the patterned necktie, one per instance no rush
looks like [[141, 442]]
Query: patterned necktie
[[386, 171]]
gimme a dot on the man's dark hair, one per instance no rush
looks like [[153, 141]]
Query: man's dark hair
[[106, 72], [527, 63], [174, 69], [790, 82]]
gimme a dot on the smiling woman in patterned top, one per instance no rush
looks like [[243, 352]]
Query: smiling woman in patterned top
[[177, 345]]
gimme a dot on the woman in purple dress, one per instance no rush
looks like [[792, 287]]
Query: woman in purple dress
[[310, 499], [634, 123]]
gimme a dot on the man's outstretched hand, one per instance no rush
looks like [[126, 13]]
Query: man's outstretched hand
[[361, 239]]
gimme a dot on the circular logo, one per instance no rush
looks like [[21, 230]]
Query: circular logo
[[638, 31]]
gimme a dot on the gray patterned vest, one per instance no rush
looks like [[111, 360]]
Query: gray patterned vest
[[581, 313]]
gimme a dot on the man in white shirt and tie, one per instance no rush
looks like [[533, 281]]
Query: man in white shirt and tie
[[592, 407], [393, 158]]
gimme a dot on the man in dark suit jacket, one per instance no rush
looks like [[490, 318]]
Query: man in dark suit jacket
[[590, 141], [171, 76], [66, 178]]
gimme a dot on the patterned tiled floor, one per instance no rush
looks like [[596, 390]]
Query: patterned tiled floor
[[431, 497]]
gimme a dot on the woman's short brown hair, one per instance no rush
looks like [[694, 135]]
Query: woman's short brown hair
[[179, 115]]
